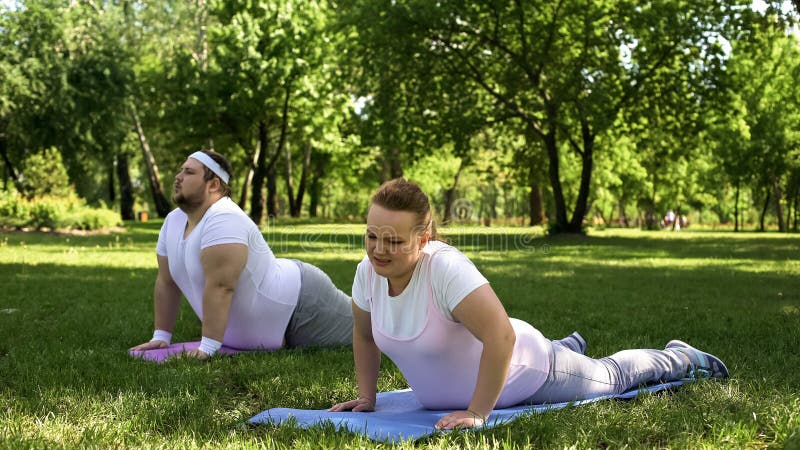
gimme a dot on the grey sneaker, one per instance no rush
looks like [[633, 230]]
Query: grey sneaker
[[701, 364]]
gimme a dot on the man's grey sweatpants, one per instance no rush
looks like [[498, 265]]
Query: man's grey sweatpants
[[323, 316]]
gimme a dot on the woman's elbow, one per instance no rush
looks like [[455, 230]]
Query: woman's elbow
[[507, 337], [511, 338]]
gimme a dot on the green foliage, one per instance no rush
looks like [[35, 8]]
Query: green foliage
[[14, 210], [609, 105], [44, 174], [65, 212]]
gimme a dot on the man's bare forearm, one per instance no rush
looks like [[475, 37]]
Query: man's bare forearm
[[216, 307], [167, 302]]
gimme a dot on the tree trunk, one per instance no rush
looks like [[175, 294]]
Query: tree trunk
[[288, 179], [392, 165], [555, 181], [508, 204], [125, 188], [551, 148], [764, 210], [273, 209], [736, 208], [259, 174], [396, 164], [650, 219], [623, 216], [796, 195], [450, 193], [159, 199], [297, 205], [449, 198], [536, 202], [10, 170], [112, 193], [776, 187], [788, 212], [319, 161], [581, 204], [272, 184], [248, 179], [296, 201]]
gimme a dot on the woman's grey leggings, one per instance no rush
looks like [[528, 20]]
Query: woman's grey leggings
[[574, 376]]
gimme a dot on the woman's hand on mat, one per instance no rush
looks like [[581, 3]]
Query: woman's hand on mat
[[459, 419], [150, 345], [361, 404]]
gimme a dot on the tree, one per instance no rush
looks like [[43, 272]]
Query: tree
[[754, 126], [557, 68], [262, 59], [34, 56]]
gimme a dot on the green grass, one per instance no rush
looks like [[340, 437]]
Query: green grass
[[71, 306]]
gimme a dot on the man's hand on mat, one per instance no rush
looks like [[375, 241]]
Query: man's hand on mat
[[150, 345], [459, 419], [361, 404]]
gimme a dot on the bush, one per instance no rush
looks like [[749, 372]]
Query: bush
[[69, 212], [92, 219], [14, 212], [44, 174]]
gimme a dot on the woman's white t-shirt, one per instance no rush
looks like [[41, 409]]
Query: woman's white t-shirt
[[409, 329], [450, 276], [268, 287]]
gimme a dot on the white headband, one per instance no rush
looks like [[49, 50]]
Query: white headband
[[212, 165]]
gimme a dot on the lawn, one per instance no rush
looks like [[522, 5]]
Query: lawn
[[71, 306]]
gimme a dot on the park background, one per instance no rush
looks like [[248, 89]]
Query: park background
[[528, 113], [552, 137]]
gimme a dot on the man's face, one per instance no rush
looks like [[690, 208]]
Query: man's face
[[189, 190]]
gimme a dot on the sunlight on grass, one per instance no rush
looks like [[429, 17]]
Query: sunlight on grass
[[72, 305]]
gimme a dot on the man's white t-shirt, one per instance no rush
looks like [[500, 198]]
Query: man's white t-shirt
[[268, 287], [442, 270]]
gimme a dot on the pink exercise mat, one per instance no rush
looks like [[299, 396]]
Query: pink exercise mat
[[159, 355]]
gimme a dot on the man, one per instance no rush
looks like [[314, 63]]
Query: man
[[211, 252]]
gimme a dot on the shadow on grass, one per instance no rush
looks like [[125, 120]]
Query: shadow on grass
[[342, 240], [64, 349], [65, 309], [596, 247], [617, 247]]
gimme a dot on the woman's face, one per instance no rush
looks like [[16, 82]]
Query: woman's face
[[394, 241]]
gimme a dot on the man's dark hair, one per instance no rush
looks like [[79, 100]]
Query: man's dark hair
[[226, 166]]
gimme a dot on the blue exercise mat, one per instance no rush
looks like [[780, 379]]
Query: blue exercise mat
[[398, 416]]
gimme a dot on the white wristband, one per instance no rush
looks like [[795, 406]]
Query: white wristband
[[209, 346], [161, 335]]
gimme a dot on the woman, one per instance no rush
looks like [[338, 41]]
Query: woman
[[426, 306]]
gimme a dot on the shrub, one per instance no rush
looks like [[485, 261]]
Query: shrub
[[67, 212], [14, 211], [44, 174], [91, 219]]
